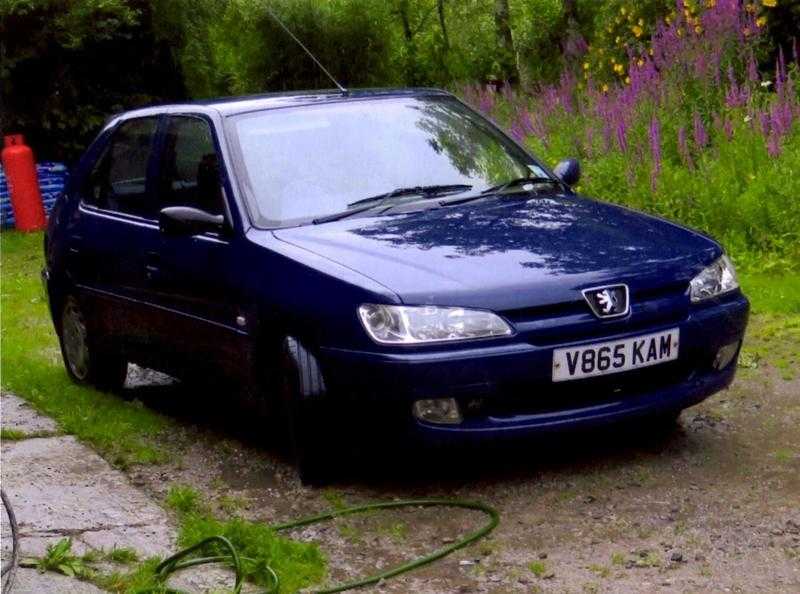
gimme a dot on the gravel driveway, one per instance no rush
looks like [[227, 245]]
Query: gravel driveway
[[712, 506]]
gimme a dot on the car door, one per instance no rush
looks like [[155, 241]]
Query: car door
[[195, 286], [114, 230]]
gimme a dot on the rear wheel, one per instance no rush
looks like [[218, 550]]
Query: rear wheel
[[87, 359], [306, 408]]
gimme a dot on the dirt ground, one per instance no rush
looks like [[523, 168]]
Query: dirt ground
[[712, 506]]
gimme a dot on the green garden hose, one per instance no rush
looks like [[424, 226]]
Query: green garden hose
[[184, 559]]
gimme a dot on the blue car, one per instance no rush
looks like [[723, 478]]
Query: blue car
[[382, 261]]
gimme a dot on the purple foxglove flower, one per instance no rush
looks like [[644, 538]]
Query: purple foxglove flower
[[683, 147], [654, 133], [700, 132], [773, 145]]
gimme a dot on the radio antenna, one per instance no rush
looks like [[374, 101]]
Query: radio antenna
[[305, 49]]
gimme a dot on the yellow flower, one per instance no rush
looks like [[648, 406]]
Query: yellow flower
[[586, 65], [761, 21], [622, 10], [770, 3], [605, 88], [637, 31], [640, 62], [618, 39], [711, 3], [698, 29], [619, 68], [641, 22], [627, 80]]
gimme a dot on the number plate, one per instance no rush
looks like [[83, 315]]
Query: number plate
[[615, 356]]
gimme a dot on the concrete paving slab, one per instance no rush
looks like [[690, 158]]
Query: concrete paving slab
[[30, 581], [17, 414], [60, 488]]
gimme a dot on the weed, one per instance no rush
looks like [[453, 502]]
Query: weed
[[538, 568], [59, 558], [350, 533], [649, 559], [617, 559], [183, 499], [600, 570], [334, 498], [231, 504], [122, 555], [783, 456], [397, 531], [139, 579]]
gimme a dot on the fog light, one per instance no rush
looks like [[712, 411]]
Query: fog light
[[725, 355], [441, 410]]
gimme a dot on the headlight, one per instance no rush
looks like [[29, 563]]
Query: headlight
[[716, 279], [400, 324]]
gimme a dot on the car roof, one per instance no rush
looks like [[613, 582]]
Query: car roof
[[232, 105]]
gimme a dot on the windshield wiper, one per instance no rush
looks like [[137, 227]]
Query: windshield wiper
[[519, 181], [434, 190], [375, 201]]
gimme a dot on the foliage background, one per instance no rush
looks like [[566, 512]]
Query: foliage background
[[67, 65]]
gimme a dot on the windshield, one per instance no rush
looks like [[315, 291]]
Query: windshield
[[303, 163]]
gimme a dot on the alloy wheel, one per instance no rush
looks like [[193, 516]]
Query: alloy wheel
[[76, 347]]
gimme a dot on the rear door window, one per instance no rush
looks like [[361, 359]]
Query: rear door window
[[119, 179], [190, 166]]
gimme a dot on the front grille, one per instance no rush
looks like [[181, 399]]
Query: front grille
[[573, 321], [547, 397]]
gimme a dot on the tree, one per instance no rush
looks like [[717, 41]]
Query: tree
[[507, 58]]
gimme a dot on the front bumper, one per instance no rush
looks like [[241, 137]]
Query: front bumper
[[505, 389]]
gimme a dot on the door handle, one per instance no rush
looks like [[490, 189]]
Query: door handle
[[74, 244], [151, 265]]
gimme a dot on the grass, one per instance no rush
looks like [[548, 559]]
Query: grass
[[297, 564], [18, 434], [31, 367], [12, 434]]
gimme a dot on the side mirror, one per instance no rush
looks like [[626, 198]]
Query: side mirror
[[568, 171], [185, 220]]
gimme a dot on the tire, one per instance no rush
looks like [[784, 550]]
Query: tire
[[305, 406], [87, 359]]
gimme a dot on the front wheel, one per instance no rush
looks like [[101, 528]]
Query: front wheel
[[86, 359], [305, 406]]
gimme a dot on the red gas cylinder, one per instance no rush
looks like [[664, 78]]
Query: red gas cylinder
[[20, 169]]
